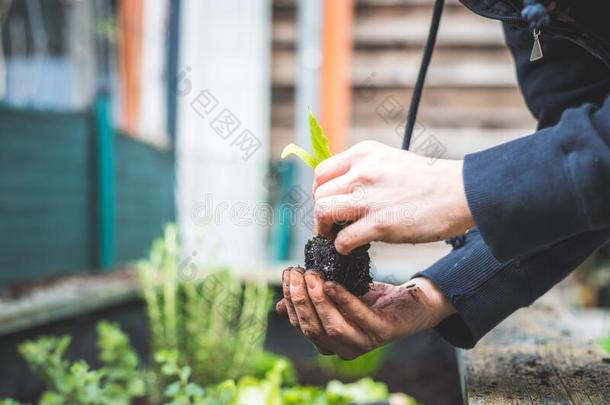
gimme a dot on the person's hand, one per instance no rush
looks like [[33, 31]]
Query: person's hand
[[337, 322], [391, 195]]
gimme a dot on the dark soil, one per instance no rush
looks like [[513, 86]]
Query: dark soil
[[352, 271]]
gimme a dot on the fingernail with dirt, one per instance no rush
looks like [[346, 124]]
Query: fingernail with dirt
[[311, 279]]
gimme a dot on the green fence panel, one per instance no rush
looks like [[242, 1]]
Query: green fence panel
[[45, 194], [144, 191], [48, 189]]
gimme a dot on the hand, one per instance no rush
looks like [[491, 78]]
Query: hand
[[390, 195], [337, 322]]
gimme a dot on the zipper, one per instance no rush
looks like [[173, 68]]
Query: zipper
[[536, 49]]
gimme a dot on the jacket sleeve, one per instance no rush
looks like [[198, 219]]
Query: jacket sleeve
[[538, 190], [484, 291]]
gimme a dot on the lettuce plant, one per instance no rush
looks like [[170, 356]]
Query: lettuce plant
[[366, 365], [319, 145], [353, 270]]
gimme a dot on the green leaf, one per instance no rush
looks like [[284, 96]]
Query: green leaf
[[605, 343], [305, 156], [362, 391], [319, 141], [172, 389], [319, 145]]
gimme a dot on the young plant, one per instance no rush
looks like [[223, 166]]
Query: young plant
[[208, 317], [605, 343], [353, 270], [181, 391], [121, 372], [118, 381], [366, 365]]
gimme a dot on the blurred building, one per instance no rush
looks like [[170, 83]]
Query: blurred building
[[118, 116], [86, 153]]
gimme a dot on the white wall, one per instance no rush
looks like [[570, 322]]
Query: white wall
[[225, 53], [152, 125]]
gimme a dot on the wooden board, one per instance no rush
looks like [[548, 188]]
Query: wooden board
[[546, 354]]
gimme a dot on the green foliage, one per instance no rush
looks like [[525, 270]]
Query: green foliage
[[270, 391], [207, 333], [120, 363], [605, 343], [8, 401], [181, 391], [366, 365], [319, 145], [118, 381], [207, 316], [266, 361], [362, 391]]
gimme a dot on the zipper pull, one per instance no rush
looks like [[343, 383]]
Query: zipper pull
[[537, 49]]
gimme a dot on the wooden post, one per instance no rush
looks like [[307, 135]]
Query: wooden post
[[336, 72]]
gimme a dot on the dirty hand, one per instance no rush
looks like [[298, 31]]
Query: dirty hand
[[389, 195], [337, 322]]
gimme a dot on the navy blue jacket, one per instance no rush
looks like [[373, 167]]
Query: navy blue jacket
[[541, 204]]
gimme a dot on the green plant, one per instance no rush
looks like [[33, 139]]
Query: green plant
[[118, 381], [362, 391], [120, 363], [319, 145], [266, 361], [605, 343], [9, 401], [208, 317], [366, 365], [181, 391], [352, 270], [270, 391]]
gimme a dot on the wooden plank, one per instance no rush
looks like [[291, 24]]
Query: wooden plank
[[544, 354], [408, 27], [456, 142], [457, 108], [70, 296], [392, 68]]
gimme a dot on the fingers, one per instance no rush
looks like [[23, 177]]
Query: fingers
[[308, 319], [330, 168], [359, 233], [338, 208], [306, 313], [357, 311], [316, 315], [324, 229], [292, 316], [280, 307], [337, 186], [334, 324]]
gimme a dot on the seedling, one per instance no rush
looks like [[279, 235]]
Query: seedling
[[353, 270]]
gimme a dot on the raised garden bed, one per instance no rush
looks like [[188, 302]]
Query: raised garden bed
[[423, 365]]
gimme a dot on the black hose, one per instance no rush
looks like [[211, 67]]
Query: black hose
[[421, 76]]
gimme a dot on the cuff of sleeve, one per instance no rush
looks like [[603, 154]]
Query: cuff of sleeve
[[483, 291]]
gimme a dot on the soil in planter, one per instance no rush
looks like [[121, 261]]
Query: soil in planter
[[352, 271]]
